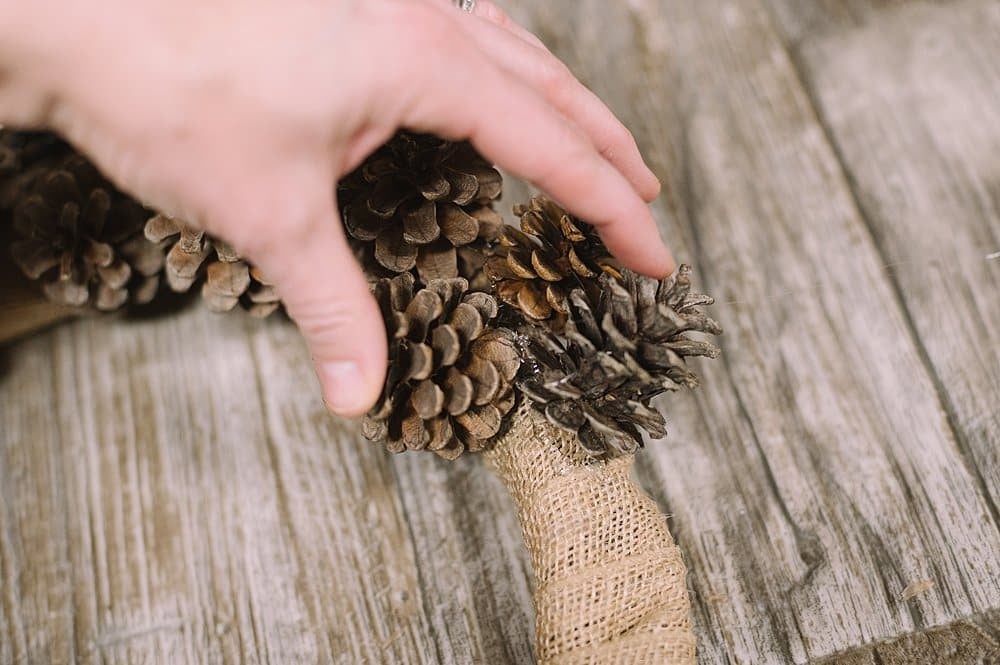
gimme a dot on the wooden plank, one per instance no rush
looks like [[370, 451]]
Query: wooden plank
[[173, 491], [455, 560], [799, 20], [816, 480], [22, 308], [971, 641], [23, 311], [912, 101]]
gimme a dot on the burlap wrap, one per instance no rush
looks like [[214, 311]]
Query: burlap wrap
[[609, 581]]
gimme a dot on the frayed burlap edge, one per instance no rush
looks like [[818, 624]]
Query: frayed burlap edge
[[609, 581]]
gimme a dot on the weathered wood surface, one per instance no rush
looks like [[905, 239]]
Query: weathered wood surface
[[171, 490], [912, 103], [826, 472], [23, 310]]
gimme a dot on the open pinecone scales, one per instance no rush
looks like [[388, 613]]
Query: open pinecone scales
[[25, 156], [450, 379], [594, 343], [422, 204], [79, 237], [535, 268], [615, 354], [22, 151], [226, 280]]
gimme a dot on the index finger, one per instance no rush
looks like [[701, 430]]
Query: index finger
[[514, 126]]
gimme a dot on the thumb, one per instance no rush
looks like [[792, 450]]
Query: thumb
[[325, 293]]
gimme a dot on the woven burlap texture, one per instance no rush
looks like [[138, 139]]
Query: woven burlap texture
[[609, 581]]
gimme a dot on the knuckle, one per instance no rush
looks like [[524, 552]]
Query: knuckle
[[403, 28], [495, 14], [573, 170], [555, 75], [336, 323], [325, 320], [389, 11], [418, 26], [260, 228], [624, 135], [417, 43], [618, 139]]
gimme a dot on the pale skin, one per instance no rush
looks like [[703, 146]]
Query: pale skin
[[239, 115]]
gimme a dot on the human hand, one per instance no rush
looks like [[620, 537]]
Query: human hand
[[240, 116]]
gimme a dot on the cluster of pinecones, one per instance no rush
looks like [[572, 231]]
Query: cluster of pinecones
[[478, 314], [90, 246]]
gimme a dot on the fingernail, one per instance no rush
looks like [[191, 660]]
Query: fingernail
[[343, 390]]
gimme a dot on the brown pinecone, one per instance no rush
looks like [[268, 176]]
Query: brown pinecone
[[416, 200], [22, 155], [536, 268], [9, 154], [614, 356], [81, 238], [449, 384], [226, 279]]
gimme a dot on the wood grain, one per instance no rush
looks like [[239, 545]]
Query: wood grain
[[817, 476], [801, 22], [172, 490], [922, 134]]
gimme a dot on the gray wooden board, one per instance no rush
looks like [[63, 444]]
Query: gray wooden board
[[801, 21], [911, 100], [817, 481], [171, 489]]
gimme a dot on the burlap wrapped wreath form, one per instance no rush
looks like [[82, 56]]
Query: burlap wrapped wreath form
[[609, 581]]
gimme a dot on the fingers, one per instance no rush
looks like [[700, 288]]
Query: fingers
[[326, 295], [521, 54], [459, 92], [563, 91], [494, 14]]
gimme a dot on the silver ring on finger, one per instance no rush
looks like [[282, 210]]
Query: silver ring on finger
[[466, 5]]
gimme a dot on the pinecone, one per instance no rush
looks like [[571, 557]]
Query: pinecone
[[227, 279], [450, 376], [9, 157], [22, 154], [614, 356], [416, 200], [81, 238], [536, 268]]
